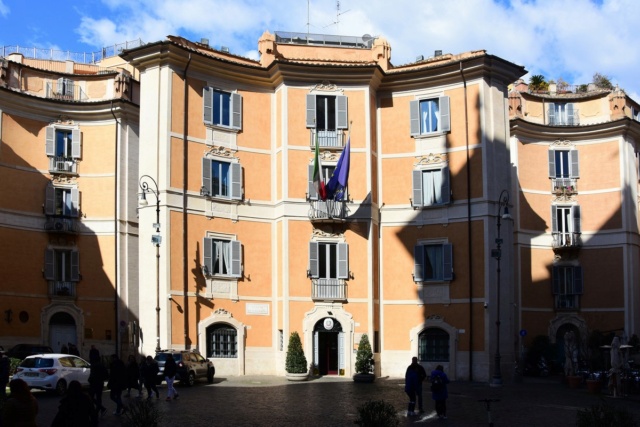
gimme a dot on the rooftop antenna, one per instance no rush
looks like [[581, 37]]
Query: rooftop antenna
[[308, 1], [338, 13]]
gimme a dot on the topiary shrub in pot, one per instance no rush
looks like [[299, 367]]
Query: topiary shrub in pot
[[296, 363], [364, 361]]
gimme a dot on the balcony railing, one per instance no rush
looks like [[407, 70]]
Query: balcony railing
[[566, 240], [63, 165], [564, 185], [364, 42], [329, 290], [66, 92], [61, 289], [332, 210], [327, 138], [566, 302], [61, 224]]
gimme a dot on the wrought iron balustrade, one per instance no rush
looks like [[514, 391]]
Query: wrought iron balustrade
[[62, 289]]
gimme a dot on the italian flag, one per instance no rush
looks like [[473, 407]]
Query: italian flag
[[318, 179]]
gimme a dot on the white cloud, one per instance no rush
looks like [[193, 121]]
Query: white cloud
[[4, 9], [571, 39]]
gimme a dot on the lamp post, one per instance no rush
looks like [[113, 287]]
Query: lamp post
[[503, 213], [156, 239]]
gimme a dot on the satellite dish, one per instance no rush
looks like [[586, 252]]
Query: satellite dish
[[367, 38]]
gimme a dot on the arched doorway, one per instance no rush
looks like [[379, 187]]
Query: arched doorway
[[62, 331], [328, 346]]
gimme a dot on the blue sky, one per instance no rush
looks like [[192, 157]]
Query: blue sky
[[568, 39]]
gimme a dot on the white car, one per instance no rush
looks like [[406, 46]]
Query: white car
[[53, 372]]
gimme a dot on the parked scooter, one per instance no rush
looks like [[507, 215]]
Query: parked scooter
[[537, 369]]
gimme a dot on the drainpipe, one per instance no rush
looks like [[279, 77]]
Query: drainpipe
[[469, 233], [116, 235], [185, 180]]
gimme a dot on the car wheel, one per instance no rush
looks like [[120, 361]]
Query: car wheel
[[61, 388], [210, 374], [191, 379]]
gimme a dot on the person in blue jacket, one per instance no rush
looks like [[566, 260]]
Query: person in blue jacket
[[439, 393]]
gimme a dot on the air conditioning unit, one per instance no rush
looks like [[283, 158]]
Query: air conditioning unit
[[59, 224], [61, 166]]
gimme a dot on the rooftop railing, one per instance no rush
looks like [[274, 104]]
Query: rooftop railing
[[66, 55]]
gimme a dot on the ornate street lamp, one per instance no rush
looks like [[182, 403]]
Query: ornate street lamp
[[156, 239], [503, 213]]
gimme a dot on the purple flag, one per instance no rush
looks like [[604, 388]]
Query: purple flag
[[338, 182]]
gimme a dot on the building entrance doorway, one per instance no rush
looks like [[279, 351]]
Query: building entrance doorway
[[328, 351], [62, 331]]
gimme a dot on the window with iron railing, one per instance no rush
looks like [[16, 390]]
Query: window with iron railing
[[222, 341], [567, 286], [329, 289], [433, 345], [62, 146], [563, 114]]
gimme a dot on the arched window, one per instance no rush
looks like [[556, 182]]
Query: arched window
[[222, 341], [433, 345]]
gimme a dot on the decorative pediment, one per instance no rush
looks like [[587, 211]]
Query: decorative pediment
[[318, 233], [328, 156], [64, 180], [562, 143], [432, 159], [222, 312], [326, 86], [219, 151], [435, 317]]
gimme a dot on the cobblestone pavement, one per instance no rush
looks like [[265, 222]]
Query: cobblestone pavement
[[330, 401]]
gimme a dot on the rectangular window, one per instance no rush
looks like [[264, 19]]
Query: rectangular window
[[62, 146], [428, 116], [433, 262], [61, 201], [328, 260], [222, 257], [563, 114], [222, 108], [567, 286], [62, 265], [327, 171], [565, 225], [431, 187], [222, 179]]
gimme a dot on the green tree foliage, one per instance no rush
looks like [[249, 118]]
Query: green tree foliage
[[602, 81], [537, 82], [296, 362], [364, 357]]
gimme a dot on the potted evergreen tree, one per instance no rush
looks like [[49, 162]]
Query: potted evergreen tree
[[296, 363], [364, 362]]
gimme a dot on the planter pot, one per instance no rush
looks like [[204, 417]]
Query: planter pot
[[574, 381], [298, 377], [364, 378], [594, 386]]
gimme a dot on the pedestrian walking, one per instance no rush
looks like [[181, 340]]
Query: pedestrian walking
[[439, 392], [141, 371], [170, 370], [150, 374], [422, 375], [117, 383], [98, 374], [21, 408], [5, 365], [76, 409], [94, 353], [133, 376], [73, 349], [411, 382]]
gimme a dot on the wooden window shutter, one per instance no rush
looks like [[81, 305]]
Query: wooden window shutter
[[447, 261], [207, 102], [414, 117], [314, 270], [75, 266], [445, 114], [49, 264], [418, 258], [341, 111], [343, 261], [236, 111], [236, 181], [417, 188], [311, 111], [50, 141], [236, 258], [76, 138]]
